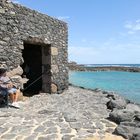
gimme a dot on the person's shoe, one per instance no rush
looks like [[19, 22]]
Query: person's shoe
[[15, 104]]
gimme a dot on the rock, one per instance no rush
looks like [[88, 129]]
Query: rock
[[16, 71], [24, 80], [114, 96], [17, 81], [3, 43], [67, 137], [81, 87], [105, 92], [128, 119], [54, 50], [76, 67], [129, 130], [121, 115], [2, 11], [53, 88], [131, 124], [136, 137], [123, 131], [97, 90], [54, 69], [118, 103], [133, 107], [69, 118], [137, 117]]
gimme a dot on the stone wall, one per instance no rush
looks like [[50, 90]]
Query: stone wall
[[19, 24]]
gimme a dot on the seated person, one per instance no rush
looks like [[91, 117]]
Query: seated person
[[8, 88]]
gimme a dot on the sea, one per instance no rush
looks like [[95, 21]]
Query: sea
[[127, 84]]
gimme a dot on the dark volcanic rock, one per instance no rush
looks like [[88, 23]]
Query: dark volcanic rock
[[76, 67], [123, 131], [115, 96], [137, 117], [131, 124], [129, 120], [119, 104], [133, 107], [129, 130], [116, 101], [121, 115], [136, 137]]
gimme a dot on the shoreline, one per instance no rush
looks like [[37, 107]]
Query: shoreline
[[76, 67], [116, 90], [104, 91], [125, 113]]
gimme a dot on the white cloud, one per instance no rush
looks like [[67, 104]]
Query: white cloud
[[64, 18], [133, 27], [128, 25], [122, 49], [115, 53]]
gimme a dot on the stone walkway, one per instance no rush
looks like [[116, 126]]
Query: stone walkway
[[76, 114]]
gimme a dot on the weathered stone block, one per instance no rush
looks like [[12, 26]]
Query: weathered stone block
[[54, 51], [55, 68], [2, 11], [16, 71], [53, 88]]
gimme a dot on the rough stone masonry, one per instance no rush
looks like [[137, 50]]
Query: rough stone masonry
[[19, 25]]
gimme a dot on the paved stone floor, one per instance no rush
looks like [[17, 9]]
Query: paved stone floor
[[76, 114]]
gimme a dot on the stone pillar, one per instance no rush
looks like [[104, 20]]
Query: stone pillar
[[46, 69]]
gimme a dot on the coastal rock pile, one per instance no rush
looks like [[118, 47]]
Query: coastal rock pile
[[126, 114], [76, 67], [116, 102]]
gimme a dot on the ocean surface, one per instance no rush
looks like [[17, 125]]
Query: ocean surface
[[127, 84]]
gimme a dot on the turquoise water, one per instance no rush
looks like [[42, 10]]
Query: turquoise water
[[126, 84]]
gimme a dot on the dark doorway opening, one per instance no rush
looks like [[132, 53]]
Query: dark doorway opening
[[32, 67]]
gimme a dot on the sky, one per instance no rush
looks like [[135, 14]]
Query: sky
[[99, 31]]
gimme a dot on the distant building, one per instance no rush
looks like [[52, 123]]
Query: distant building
[[35, 41]]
